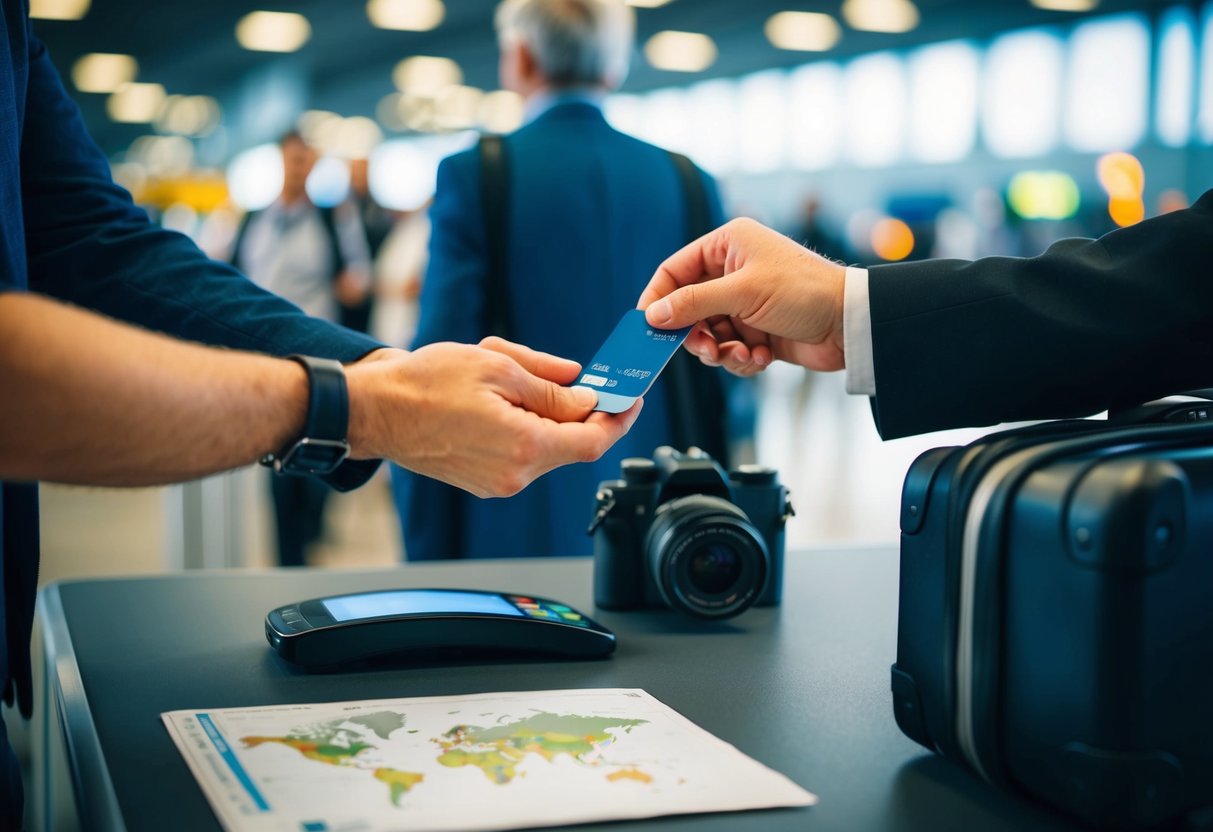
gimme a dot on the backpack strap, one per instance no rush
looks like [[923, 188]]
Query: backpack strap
[[329, 220], [698, 406], [494, 191], [241, 232]]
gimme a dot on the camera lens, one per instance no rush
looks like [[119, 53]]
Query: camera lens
[[715, 567], [705, 556]]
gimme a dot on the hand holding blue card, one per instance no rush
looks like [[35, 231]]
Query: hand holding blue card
[[629, 361]]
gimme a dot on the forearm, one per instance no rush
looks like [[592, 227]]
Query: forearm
[[91, 401]]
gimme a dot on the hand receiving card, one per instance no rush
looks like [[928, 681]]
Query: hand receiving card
[[629, 361]]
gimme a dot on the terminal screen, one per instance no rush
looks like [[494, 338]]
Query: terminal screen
[[416, 602]]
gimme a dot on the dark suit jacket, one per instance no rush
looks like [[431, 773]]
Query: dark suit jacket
[[592, 213], [1086, 326], [68, 232]]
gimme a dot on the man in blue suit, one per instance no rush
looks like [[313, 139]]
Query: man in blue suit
[[100, 383], [591, 213]]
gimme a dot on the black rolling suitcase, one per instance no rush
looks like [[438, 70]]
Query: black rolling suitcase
[[1055, 629]]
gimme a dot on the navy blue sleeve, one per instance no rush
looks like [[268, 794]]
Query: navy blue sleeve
[[88, 244]]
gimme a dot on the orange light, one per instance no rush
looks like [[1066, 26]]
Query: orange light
[[1121, 175], [1126, 211], [892, 239]]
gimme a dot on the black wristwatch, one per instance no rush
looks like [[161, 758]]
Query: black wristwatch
[[323, 445]]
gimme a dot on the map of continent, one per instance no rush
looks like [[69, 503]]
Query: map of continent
[[497, 750], [337, 744]]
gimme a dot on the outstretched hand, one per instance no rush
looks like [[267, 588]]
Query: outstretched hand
[[754, 296], [489, 419]]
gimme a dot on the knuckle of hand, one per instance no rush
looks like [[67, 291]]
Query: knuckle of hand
[[526, 448]]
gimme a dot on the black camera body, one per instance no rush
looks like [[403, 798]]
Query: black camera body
[[677, 531]]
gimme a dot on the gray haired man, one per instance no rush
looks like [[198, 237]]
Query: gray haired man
[[581, 216]]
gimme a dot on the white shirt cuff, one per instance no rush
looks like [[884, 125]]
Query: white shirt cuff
[[857, 333]]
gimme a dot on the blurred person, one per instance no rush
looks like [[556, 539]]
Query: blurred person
[[590, 212], [398, 273], [1089, 325], [318, 259], [101, 389], [377, 223]]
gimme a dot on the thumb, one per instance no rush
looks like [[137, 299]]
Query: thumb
[[696, 302], [550, 400]]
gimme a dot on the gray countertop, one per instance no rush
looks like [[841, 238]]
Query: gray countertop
[[803, 688]]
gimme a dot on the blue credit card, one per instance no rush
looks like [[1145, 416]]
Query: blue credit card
[[629, 361]]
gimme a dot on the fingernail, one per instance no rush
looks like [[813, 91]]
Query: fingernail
[[760, 360], [660, 312], [585, 397]]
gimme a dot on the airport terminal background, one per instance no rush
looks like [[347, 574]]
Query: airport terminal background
[[941, 128]]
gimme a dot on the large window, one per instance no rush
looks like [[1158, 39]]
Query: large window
[[763, 114], [815, 116], [874, 101], [712, 109], [1021, 96], [1175, 80], [1108, 84], [1206, 77], [943, 101]]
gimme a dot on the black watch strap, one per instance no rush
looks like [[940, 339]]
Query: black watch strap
[[323, 445]]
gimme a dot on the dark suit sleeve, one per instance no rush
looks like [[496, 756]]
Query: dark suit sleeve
[[90, 245], [1086, 326]]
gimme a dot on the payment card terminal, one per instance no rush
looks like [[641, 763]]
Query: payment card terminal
[[341, 630]]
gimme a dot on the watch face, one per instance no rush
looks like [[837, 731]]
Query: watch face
[[315, 456]]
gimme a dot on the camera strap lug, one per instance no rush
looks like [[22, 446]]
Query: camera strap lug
[[606, 502], [789, 511]]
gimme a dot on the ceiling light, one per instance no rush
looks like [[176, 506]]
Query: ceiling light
[[319, 128], [135, 103], [356, 138], [458, 107], [388, 111], [188, 115], [162, 156], [59, 9], [426, 75], [646, 4], [273, 31], [103, 72], [406, 15], [803, 31], [501, 111], [892, 16], [1065, 5], [680, 51]]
